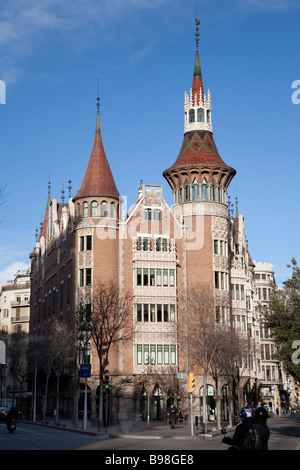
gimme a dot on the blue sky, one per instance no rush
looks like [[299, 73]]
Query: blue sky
[[51, 53]]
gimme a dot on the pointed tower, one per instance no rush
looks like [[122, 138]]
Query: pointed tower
[[96, 221], [98, 179], [199, 179], [199, 173]]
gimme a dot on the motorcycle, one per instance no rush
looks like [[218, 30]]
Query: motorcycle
[[232, 447], [11, 426]]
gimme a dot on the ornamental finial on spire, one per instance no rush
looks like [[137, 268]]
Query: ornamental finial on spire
[[197, 33], [98, 99]]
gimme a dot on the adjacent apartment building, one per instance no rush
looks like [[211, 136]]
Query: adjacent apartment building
[[14, 329]]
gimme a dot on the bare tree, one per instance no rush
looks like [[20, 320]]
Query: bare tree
[[16, 352], [202, 338], [163, 376], [109, 326], [55, 352], [62, 347], [39, 352], [235, 352], [218, 367]]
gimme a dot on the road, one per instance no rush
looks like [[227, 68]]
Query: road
[[285, 435]]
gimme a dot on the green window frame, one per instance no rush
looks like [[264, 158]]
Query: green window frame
[[173, 354], [159, 354], [94, 208], [85, 209], [152, 353], [166, 354], [146, 353], [139, 354], [139, 312]]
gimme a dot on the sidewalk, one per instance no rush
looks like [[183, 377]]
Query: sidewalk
[[136, 429]]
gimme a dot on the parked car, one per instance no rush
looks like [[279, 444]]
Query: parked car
[[3, 413]]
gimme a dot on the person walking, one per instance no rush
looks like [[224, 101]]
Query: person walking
[[172, 413]]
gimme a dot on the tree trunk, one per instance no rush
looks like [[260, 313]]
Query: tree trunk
[[57, 400], [230, 408], [100, 411], [218, 404], [46, 397], [148, 410], [204, 402]]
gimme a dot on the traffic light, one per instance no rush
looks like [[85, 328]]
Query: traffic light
[[105, 385], [191, 382]]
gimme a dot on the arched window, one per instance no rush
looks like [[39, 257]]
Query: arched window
[[85, 209], [208, 116], [192, 115], [180, 195], [220, 195], [186, 191], [112, 210], [175, 195], [200, 115], [212, 192], [210, 403], [103, 209], [94, 208], [204, 195], [195, 190]]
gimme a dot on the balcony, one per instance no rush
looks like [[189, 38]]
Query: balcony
[[20, 318]]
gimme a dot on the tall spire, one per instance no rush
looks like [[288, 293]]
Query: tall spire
[[198, 150], [98, 178], [197, 79]]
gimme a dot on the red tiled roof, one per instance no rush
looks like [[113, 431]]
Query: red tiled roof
[[98, 178], [198, 147]]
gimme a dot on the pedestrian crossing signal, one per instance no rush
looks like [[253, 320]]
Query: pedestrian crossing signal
[[105, 385], [191, 382]]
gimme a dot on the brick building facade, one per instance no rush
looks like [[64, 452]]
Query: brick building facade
[[159, 255]]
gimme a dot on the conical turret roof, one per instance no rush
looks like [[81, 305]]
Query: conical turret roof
[[198, 148], [98, 179]]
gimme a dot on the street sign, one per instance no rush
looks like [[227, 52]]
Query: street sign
[[182, 375], [85, 371]]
